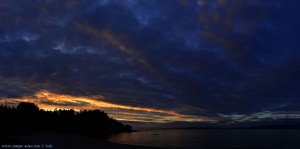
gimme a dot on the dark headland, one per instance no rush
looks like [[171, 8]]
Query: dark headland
[[26, 124]]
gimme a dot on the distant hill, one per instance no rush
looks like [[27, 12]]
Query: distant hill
[[28, 118], [293, 126], [296, 126], [274, 124]]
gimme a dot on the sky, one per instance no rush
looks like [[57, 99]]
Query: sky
[[154, 61]]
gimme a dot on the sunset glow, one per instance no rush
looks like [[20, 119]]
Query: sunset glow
[[87, 103], [51, 101], [193, 62]]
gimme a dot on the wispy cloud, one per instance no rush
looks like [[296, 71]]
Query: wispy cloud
[[260, 116], [107, 36], [173, 59], [51, 101]]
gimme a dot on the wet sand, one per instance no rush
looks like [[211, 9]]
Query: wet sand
[[66, 141]]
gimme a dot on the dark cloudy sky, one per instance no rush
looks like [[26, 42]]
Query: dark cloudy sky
[[154, 60]]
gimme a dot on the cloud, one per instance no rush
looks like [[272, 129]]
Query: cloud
[[261, 116], [51, 101], [108, 37], [198, 57], [243, 29]]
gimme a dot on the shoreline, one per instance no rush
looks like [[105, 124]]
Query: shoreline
[[53, 140]]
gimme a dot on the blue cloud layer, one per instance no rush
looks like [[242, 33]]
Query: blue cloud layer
[[220, 57]]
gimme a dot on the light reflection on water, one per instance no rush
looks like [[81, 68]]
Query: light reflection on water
[[210, 139]]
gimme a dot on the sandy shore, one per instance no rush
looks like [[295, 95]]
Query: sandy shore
[[65, 141]]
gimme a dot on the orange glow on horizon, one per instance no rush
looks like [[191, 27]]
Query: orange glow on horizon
[[88, 103], [51, 101]]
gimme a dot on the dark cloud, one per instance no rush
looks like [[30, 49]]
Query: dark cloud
[[198, 57]]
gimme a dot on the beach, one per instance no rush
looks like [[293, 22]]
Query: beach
[[64, 141]]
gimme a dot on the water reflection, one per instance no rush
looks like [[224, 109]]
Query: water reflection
[[267, 139]]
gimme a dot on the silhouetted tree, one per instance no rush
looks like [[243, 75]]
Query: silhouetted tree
[[27, 117], [27, 107]]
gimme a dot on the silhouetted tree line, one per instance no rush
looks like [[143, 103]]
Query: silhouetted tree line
[[28, 118]]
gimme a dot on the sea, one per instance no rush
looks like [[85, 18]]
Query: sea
[[213, 138]]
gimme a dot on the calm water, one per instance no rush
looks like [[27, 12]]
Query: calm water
[[211, 139]]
